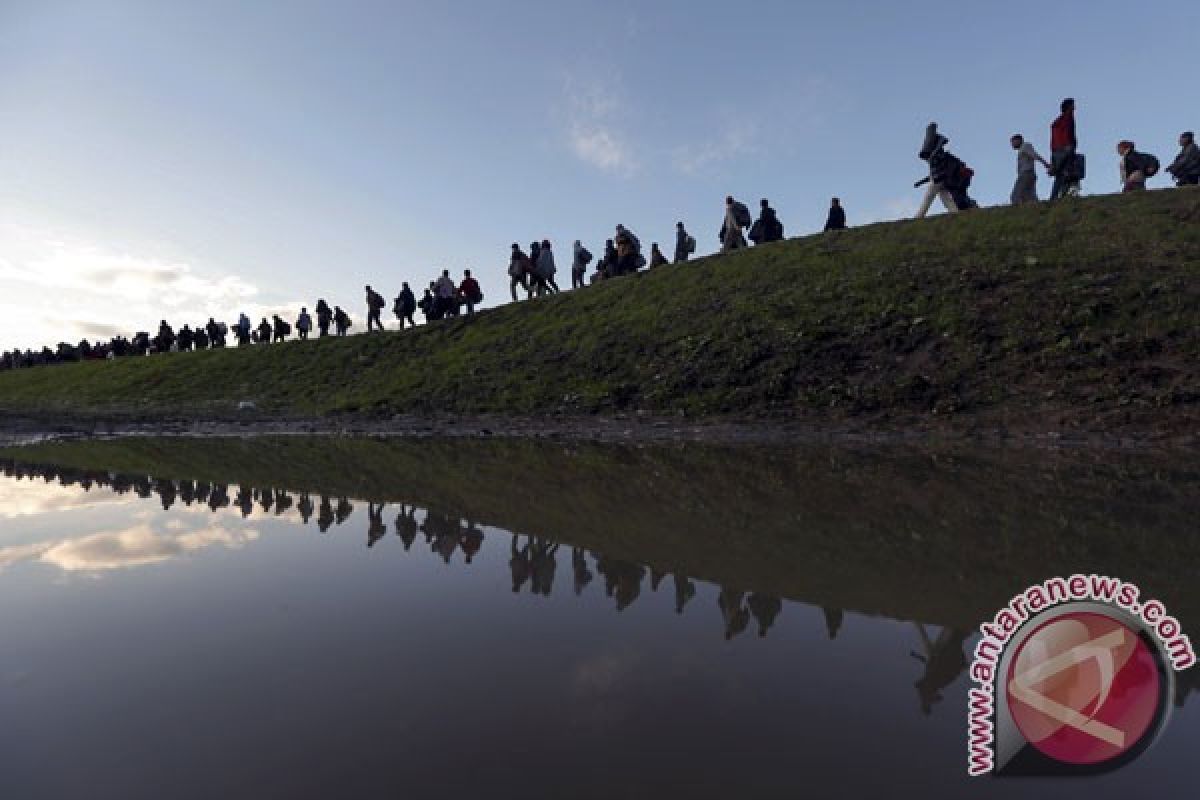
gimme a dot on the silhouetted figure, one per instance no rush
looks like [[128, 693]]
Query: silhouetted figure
[[283, 501], [406, 526], [244, 500], [344, 510], [376, 529], [519, 564], [833, 621], [305, 507], [544, 562], [324, 316], [685, 590], [264, 332], [324, 515], [767, 228], [579, 567], [765, 609], [375, 304], [733, 611], [405, 306], [471, 541], [303, 324], [520, 267], [944, 661], [836, 221], [341, 320], [622, 579], [685, 244]]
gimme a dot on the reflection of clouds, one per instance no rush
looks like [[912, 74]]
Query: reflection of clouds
[[132, 547], [34, 498], [601, 674]]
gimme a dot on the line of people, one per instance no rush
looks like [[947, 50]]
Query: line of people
[[534, 272]]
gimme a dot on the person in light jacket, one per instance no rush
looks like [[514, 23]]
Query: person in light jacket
[[1186, 166], [546, 269]]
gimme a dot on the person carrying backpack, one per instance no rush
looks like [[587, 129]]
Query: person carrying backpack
[[580, 258], [264, 332], [519, 268], [341, 321], [427, 304], [1064, 152], [941, 166], [1186, 166], [545, 269], [737, 217], [685, 244], [1136, 167], [405, 306], [470, 293], [303, 324], [447, 295], [324, 316], [608, 265], [375, 304], [836, 221], [243, 330], [279, 328], [767, 228], [657, 259], [629, 251]]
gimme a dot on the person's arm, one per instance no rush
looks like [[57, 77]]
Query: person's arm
[[1037, 156]]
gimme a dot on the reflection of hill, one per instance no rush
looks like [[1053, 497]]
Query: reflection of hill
[[943, 538]]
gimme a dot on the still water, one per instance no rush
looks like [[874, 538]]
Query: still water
[[318, 617]]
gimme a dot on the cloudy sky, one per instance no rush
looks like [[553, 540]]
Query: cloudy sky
[[187, 160]]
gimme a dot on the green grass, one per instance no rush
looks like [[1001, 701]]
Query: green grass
[[1089, 304]]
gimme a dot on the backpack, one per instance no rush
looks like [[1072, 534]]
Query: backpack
[[959, 178], [742, 215], [286, 328], [690, 244], [376, 300], [585, 256], [1150, 165]]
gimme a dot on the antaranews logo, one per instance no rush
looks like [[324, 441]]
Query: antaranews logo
[[1074, 676]]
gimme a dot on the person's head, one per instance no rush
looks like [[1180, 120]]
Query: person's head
[[1016, 140], [516, 246], [835, 202], [303, 309], [368, 287], [1068, 104], [620, 228], [445, 273], [728, 199], [679, 225], [578, 244], [763, 202], [608, 242], [545, 244], [466, 273], [654, 246], [404, 284], [1124, 146], [1186, 138]]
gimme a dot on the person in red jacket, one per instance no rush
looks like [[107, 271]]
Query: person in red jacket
[[469, 292], [1063, 146]]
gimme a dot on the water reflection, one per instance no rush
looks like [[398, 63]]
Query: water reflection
[[940, 651]]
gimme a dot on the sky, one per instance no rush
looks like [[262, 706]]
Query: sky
[[181, 160]]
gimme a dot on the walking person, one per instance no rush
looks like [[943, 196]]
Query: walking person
[[546, 268], [580, 258], [1186, 166], [685, 244], [629, 251], [608, 265], [303, 324], [1063, 149], [1025, 189], [657, 259], [934, 151], [1136, 167], [737, 216], [341, 321], [243, 329], [470, 293], [324, 316], [265, 331], [836, 221], [767, 228], [518, 271], [375, 304], [279, 329], [447, 295], [405, 306]]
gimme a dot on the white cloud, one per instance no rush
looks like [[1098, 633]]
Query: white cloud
[[737, 137], [595, 111], [61, 289]]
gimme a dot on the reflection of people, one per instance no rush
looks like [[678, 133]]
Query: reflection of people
[[266, 498], [944, 661], [765, 609], [406, 525], [166, 492], [376, 529], [833, 621], [734, 612], [579, 566], [470, 541], [684, 590], [283, 501], [622, 579], [305, 507], [324, 514], [244, 500], [544, 562], [219, 498], [343, 511], [519, 564]]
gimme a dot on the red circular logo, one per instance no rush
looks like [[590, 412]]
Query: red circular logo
[[1084, 688]]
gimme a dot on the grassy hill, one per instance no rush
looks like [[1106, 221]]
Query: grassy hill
[[1087, 308]]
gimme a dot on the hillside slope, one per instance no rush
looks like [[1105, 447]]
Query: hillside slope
[[1087, 307]]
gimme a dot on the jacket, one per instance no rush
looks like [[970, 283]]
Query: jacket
[[836, 220], [1062, 132], [1187, 163], [469, 288]]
